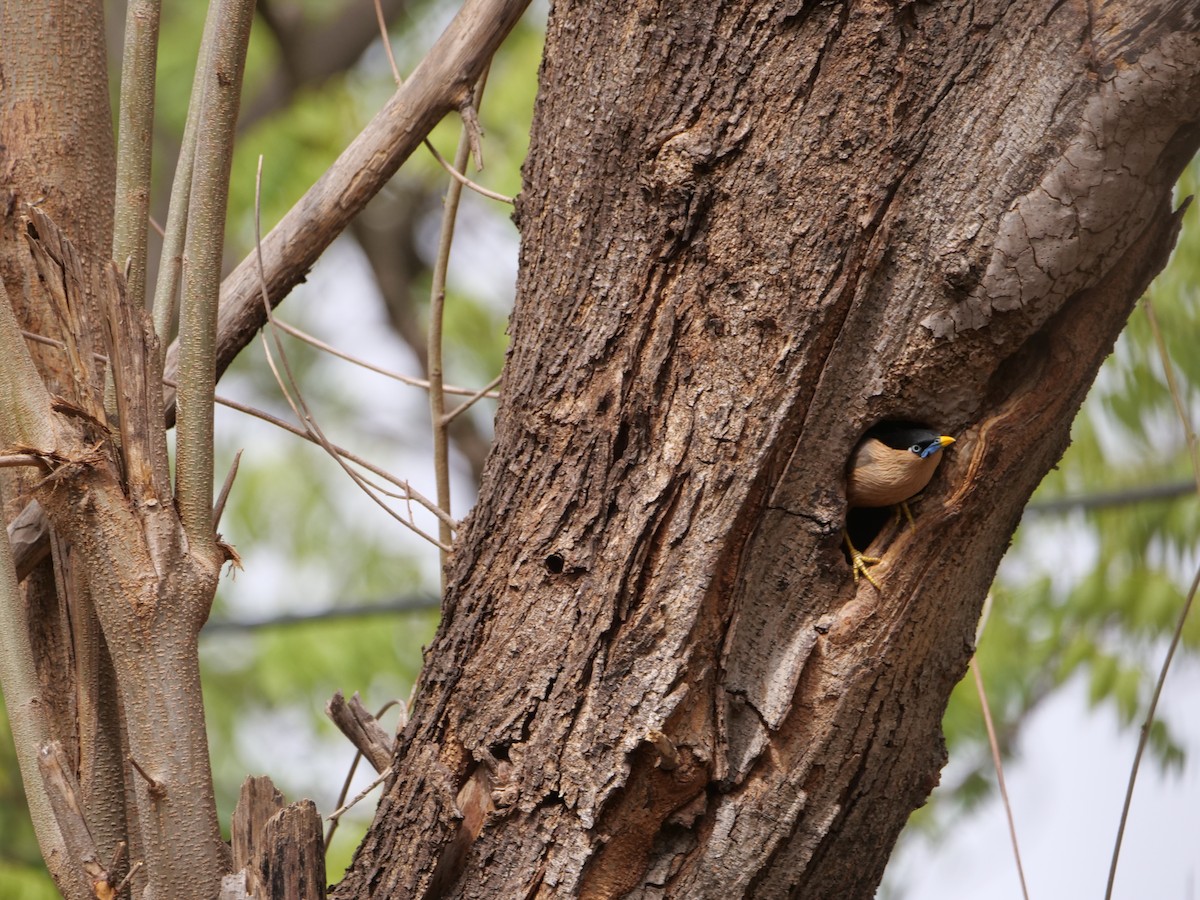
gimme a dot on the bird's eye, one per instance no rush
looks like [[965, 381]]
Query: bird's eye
[[915, 448]]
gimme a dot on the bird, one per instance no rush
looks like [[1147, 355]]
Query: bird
[[891, 464]]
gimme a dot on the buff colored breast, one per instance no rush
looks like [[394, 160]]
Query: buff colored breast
[[883, 476]]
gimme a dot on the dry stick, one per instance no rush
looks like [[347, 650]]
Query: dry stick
[[358, 755], [437, 302], [1144, 737], [995, 747], [439, 85], [300, 407], [155, 786], [341, 800], [358, 798], [465, 181], [485, 391], [223, 497], [362, 729], [454, 173], [133, 870], [359, 361], [994, 744], [202, 276]]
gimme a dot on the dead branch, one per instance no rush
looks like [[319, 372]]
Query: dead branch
[[362, 729]]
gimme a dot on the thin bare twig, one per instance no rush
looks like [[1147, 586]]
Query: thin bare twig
[[437, 397], [155, 786], [409, 492], [342, 810], [133, 870], [486, 391], [1144, 738], [300, 408], [995, 746], [387, 373], [994, 743], [465, 181], [341, 800], [223, 497]]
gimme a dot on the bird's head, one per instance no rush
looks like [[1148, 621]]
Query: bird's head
[[923, 442]]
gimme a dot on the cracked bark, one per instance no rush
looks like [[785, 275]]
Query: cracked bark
[[749, 232]]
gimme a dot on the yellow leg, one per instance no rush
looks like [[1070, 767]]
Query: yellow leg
[[860, 564]]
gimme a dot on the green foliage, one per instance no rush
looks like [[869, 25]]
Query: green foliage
[[22, 874], [18, 882]]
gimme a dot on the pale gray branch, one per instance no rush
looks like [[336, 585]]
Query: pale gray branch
[[201, 278], [135, 140]]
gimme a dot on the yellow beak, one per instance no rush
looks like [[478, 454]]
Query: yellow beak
[[945, 440]]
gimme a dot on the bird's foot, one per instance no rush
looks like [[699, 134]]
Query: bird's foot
[[901, 511], [860, 564]]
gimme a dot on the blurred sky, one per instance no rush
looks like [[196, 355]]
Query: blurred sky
[[1067, 784]]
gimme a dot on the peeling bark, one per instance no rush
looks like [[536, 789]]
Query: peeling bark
[[750, 231]]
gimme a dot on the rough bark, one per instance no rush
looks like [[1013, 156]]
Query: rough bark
[[751, 230]]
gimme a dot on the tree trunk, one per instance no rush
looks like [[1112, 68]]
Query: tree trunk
[[751, 230], [57, 153]]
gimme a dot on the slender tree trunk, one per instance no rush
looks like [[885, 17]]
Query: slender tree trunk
[[57, 152], [751, 230]]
